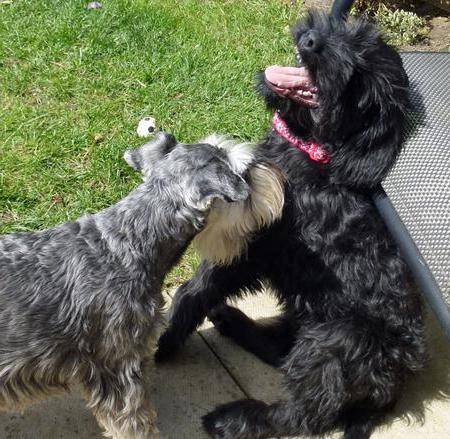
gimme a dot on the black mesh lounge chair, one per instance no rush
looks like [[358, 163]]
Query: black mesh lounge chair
[[414, 200]]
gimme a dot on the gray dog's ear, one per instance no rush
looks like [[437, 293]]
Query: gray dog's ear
[[229, 187], [143, 158]]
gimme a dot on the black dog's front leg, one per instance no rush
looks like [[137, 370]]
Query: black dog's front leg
[[252, 419], [210, 286], [269, 341]]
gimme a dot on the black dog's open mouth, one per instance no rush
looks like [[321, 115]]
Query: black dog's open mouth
[[293, 82]]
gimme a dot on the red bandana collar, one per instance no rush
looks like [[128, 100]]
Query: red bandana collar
[[316, 151]]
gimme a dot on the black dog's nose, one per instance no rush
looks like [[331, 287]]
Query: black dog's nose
[[310, 41]]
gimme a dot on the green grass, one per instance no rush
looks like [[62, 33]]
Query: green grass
[[68, 74]]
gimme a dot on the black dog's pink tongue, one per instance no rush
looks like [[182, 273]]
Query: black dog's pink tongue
[[288, 77], [292, 82]]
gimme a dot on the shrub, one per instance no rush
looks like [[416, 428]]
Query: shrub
[[400, 27]]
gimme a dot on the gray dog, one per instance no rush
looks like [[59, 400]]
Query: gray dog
[[80, 302]]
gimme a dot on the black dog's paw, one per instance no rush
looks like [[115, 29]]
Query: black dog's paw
[[236, 420], [228, 320], [167, 348], [213, 426]]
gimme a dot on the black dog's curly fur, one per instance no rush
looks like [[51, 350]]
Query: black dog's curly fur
[[351, 331]]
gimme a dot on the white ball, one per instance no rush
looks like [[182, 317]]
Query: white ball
[[94, 5], [146, 127]]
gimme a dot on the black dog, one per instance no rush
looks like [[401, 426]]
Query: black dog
[[351, 331]]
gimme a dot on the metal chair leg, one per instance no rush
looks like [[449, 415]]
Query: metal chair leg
[[419, 268]]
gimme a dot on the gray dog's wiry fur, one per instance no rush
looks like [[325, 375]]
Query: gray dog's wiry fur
[[80, 302]]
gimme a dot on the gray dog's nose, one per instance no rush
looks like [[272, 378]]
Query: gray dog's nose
[[310, 41]]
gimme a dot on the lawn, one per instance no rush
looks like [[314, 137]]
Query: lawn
[[74, 84]]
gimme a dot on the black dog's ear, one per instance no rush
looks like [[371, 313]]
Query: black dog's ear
[[364, 157], [143, 158]]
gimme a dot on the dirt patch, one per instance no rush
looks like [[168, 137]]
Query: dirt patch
[[438, 22], [7, 217]]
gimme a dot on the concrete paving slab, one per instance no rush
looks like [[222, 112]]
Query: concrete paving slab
[[63, 417], [424, 411], [187, 389], [257, 379]]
